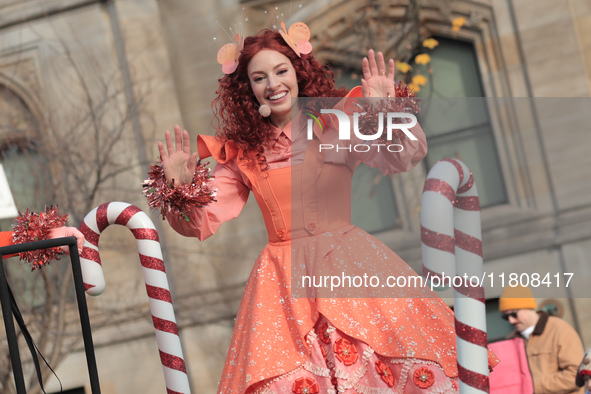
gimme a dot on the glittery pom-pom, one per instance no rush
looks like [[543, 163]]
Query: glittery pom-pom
[[402, 90], [180, 199], [405, 101], [31, 226]]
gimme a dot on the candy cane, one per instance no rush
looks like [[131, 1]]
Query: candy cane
[[452, 248], [167, 334]]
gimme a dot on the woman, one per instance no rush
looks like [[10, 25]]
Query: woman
[[310, 342]]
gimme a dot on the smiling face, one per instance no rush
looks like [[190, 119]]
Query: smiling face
[[274, 82]]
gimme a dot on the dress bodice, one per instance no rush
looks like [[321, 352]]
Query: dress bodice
[[305, 199], [305, 190]]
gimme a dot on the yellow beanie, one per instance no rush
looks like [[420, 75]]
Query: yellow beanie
[[518, 297]]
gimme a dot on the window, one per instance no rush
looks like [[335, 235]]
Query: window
[[28, 174], [456, 120], [455, 117], [27, 177], [26, 170]]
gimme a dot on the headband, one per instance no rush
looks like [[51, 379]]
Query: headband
[[297, 37]]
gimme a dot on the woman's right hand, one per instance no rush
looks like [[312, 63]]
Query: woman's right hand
[[177, 160]]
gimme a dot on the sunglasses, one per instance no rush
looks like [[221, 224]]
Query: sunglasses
[[506, 316]]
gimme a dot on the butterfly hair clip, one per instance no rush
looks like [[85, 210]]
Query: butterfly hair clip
[[228, 54], [298, 37]]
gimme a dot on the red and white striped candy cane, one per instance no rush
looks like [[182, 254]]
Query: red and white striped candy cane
[[167, 333], [452, 247]]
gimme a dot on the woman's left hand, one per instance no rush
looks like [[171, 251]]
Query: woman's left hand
[[68, 232], [377, 80]]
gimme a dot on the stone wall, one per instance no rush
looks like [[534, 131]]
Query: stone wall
[[164, 52]]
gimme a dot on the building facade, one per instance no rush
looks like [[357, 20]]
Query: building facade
[[87, 87]]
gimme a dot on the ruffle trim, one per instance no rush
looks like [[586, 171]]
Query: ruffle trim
[[353, 382], [266, 390]]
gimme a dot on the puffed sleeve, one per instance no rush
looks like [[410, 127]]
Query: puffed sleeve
[[388, 158], [232, 192]]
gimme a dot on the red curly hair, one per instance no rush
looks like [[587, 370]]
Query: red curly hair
[[236, 109]]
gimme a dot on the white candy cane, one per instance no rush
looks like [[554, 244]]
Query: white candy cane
[[452, 248], [167, 334]]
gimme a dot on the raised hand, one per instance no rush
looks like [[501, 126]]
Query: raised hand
[[177, 160], [377, 81]]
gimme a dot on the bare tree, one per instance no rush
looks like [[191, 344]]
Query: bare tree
[[84, 139]]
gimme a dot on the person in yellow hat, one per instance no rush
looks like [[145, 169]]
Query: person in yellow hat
[[554, 349]]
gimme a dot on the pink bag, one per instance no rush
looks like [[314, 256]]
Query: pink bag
[[511, 375]]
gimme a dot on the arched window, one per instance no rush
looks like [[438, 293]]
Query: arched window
[[26, 169], [27, 173]]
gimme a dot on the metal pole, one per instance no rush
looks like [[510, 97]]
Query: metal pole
[[84, 319], [80, 298], [15, 358]]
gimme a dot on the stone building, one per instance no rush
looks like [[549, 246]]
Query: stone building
[[91, 84]]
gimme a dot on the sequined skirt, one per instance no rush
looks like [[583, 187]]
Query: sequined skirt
[[278, 334]]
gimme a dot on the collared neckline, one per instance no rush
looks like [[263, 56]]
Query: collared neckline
[[541, 324], [285, 130]]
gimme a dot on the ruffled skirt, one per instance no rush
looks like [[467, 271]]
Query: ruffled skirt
[[278, 335], [341, 364]]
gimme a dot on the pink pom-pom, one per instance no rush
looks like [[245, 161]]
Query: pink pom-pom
[[265, 110]]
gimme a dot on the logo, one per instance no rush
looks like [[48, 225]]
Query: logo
[[317, 117], [344, 123]]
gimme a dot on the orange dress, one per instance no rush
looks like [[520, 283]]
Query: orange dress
[[297, 338]]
